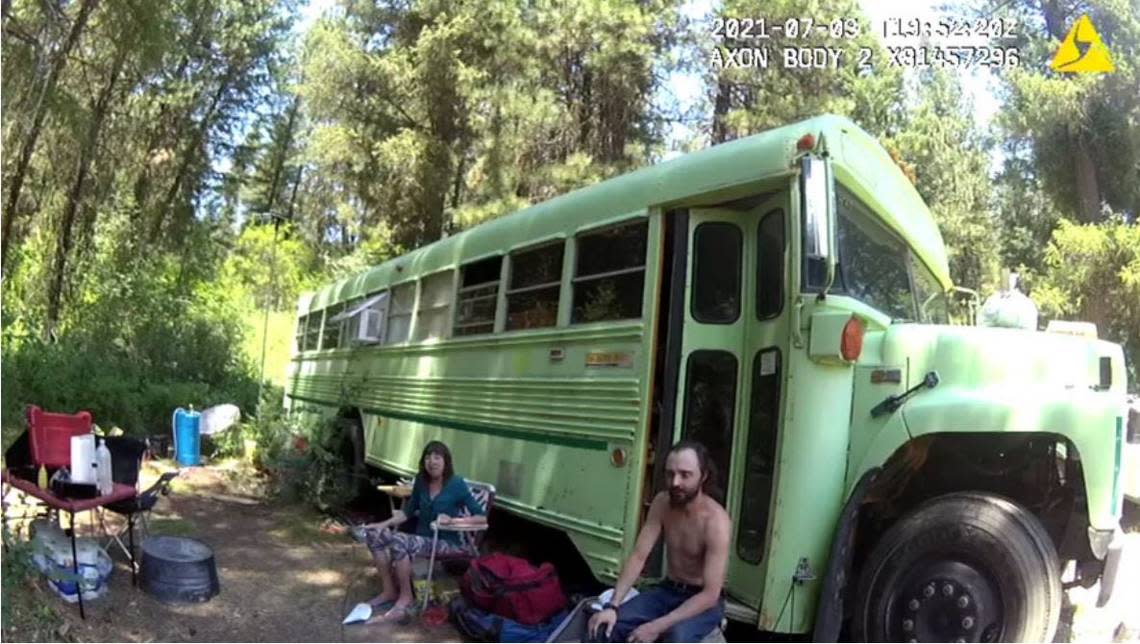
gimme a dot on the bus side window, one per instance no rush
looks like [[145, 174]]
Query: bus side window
[[313, 331], [609, 275], [710, 404], [300, 335], [536, 283], [350, 328], [331, 336], [400, 312], [718, 250], [478, 295], [760, 462], [435, 305], [770, 249]]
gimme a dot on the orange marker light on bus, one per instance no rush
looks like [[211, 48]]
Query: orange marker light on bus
[[851, 344], [805, 143], [617, 457]]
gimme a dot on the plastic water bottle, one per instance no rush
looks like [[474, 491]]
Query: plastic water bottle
[[103, 471]]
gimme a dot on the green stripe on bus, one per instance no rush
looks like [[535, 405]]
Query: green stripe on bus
[[491, 430]]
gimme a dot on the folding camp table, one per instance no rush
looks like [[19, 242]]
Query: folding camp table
[[71, 506]]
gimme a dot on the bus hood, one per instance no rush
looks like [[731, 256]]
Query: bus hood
[[975, 357]]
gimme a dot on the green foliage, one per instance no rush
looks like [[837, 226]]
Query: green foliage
[[279, 346], [1078, 129], [1092, 273], [317, 476], [943, 149], [131, 355], [110, 293], [166, 139], [746, 102], [430, 117], [309, 460], [273, 267], [26, 612]]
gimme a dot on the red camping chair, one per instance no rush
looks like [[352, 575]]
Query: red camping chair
[[50, 435]]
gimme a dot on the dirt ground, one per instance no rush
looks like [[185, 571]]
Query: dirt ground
[[284, 579]]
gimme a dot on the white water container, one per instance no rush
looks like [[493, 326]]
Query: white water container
[[83, 458]]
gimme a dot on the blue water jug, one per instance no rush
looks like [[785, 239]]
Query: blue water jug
[[187, 445]]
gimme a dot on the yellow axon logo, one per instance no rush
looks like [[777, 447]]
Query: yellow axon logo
[[1082, 51]]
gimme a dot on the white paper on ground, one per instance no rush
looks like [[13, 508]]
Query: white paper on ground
[[360, 613]]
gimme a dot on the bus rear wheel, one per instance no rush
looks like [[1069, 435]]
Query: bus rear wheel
[[966, 567]]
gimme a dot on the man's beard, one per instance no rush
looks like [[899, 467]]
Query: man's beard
[[680, 497]]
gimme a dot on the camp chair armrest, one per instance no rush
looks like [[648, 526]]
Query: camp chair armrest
[[401, 491]]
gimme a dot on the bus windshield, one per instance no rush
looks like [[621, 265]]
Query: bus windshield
[[877, 268]]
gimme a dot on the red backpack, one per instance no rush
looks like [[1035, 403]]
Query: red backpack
[[511, 587]]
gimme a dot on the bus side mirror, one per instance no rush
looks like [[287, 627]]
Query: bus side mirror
[[818, 215]]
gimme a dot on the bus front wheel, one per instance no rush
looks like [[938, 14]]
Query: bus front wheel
[[966, 567]]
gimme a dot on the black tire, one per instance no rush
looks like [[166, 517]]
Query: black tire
[[991, 566]]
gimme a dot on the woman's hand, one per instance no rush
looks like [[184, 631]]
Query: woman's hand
[[442, 519]]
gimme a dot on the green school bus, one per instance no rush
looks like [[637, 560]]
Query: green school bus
[[783, 298]]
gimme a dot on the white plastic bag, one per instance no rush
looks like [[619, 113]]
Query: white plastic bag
[[51, 553], [218, 419]]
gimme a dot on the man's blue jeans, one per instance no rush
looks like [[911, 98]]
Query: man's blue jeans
[[660, 600]]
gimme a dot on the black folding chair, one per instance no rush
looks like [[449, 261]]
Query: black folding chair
[[126, 460]]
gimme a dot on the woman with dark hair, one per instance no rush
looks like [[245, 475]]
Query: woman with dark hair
[[437, 495]]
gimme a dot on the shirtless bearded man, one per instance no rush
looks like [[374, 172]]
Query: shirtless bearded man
[[687, 605]]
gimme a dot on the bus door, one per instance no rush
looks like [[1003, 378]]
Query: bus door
[[730, 362]]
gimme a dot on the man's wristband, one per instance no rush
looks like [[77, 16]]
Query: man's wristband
[[610, 606]]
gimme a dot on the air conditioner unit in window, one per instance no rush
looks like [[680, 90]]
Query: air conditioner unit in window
[[369, 326]]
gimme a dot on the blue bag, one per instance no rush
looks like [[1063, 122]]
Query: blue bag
[[481, 626]]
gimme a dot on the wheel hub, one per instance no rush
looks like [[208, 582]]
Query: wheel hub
[[946, 601]]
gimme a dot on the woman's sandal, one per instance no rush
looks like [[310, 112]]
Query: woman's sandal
[[401, 615], [382, 606], [397, 615]]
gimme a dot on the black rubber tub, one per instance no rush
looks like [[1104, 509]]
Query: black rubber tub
[[178, 569]]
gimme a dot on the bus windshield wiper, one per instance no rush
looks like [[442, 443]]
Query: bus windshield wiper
[[892, 403]]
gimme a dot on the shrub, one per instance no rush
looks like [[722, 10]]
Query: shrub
[[25, 612]]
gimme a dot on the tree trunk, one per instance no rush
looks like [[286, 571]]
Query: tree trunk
[[720, 110], [187, 158], [1088, 188], [293, 194], [1054, 18], [282, 155], [39, 114], [142, 182], [1088, 185], [75, 195]]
